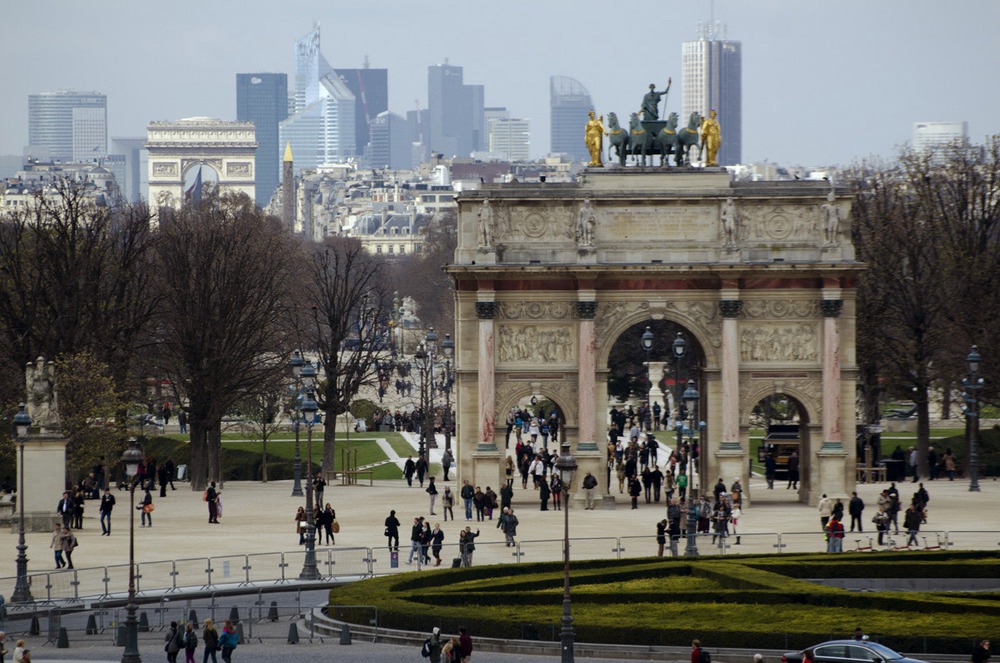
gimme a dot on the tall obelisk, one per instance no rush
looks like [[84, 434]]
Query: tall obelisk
[[288, 190]]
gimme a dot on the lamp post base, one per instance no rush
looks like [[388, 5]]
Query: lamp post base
[[131, 653], [22, 589], [310, 570]]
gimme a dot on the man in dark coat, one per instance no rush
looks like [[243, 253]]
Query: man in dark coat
[[855, 507]]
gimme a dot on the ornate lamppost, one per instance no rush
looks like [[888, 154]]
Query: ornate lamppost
[[425, 357], [566, 466], [309, 408], [973, 383], [690, 397], [22, 589], [679, 347], [131, 458], [448, 348], [295, 364], [647, 345]]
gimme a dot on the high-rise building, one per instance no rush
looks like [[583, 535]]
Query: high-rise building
[[455, 112], [370, 88], [933, 136], [711, 70], [323, 131], [569, 103], [263, 100], [310, 68], [510, 138], [67, 125], [128, 162], [390, 144]]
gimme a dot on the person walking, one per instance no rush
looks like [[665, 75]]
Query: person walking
[[329, 517], [422, 467], [507, 523], [825, 508], [228, 641], [589, 486], [467, 545], [881, 520], [437, 541], [435, 645], [855, 507], [448, 503], [319, 485], [465, 644], [190, 637], [409, 467], [107, 504], [468, 492], [65, 508], [661, 537], [446, 462], [543, 494], [415, 532], [211, 639], [175, 641], [911, 523], [212, 497], [835, 535], [981, 654], [301, 520], [56, 546], [147, 509], [69, 544], [793, 470], [433, 492], [392, 531]]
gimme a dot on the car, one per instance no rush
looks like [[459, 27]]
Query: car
[[847, 651]]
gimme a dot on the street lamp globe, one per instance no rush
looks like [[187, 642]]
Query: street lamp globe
[[448, 346], [566, 465], [679, 345], [420, 355], [647, 339], [296, 363], [431, 339], [973, 360], [22, 422], [132, 458], [309, 408], [691, 396], [308, 375]]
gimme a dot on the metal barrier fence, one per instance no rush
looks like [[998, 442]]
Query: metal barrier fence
[[277, 568]]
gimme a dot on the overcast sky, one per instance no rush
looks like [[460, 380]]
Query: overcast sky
[[823, 82]]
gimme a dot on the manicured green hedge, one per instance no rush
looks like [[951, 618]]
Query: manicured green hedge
[[751, 601]]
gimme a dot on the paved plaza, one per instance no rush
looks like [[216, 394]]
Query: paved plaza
[[259, 518]]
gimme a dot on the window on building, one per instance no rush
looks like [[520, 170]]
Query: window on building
[[378, 249], [391, 249], [402, 249]]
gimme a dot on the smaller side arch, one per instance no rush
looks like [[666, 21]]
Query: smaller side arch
[[749, 399]]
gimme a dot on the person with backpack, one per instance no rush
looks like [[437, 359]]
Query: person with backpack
[[432, 646], [175, 640], [228, 641], [190, 643]]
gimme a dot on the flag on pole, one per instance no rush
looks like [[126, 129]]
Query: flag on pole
[[193, 194]]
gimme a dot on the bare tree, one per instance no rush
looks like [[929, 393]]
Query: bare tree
[[223, 268], [348, 330], [422, 276]]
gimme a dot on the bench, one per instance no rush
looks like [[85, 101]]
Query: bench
[[871, 474], [350, 478]]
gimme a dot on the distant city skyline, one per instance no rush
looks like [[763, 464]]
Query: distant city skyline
[[813, 75]]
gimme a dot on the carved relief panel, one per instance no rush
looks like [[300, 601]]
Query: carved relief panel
[[779, 342], [528, 224], [532, 344], [778, 223]]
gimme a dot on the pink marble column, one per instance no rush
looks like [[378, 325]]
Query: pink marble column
[[730, 311], [587, 368], [486, 311], [832, 438]]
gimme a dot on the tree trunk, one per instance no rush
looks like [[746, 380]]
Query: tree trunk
[[198, 468], [329, 446], [946, 401], [923, 430], [263, 467], [214, 449]]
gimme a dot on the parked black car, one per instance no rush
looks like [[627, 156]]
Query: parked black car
[[847, 651]]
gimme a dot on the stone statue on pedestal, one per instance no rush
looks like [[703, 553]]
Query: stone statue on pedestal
[[730, 223], [485, 225], [831, 219], [43, 397], [651, 102], [585, 224]]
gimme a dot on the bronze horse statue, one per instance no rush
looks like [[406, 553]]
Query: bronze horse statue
[[617, 138], [666, 140], [687, 137], [640, 141]]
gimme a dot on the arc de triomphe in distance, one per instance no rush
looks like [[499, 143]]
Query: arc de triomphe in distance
[[760, 277]]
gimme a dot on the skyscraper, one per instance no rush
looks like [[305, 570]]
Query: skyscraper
[[711, 70], [510, 137], [263, 100], [455, 112], [67, 125], [310, 67], [390, 143], [370, 88], [935, 136], [323, 131], [569, 103]]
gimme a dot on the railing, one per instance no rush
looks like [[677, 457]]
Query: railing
[[259, 570]]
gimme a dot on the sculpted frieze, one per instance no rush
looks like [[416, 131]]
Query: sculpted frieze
[[767, 223], [753, 390], [562, 392], [535, 310], [524, 224], [608, 315], [535, 344], [239, 169], [779, 343], [704, 315], [165, 169], [781, 308]]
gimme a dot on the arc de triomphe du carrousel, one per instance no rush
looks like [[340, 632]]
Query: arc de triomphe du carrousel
[[758, 276]]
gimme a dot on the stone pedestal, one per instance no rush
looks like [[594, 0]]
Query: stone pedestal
[[731, 463], [655, 375], [829, 476], [44, 481], [487, 469]]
